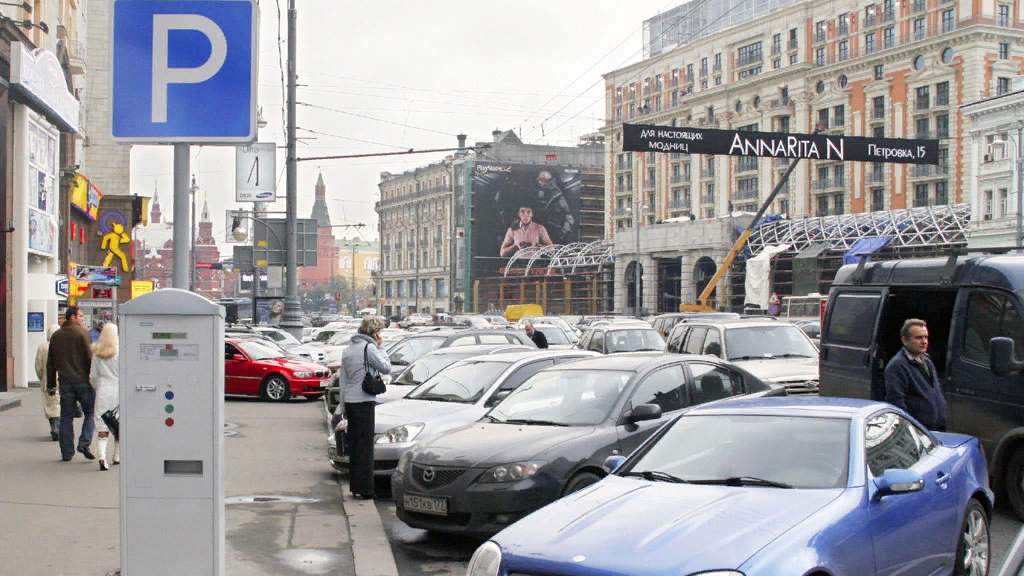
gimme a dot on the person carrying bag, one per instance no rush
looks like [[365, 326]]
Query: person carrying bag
[[362, 363]]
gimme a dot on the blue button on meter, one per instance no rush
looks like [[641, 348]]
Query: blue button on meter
[[169, 395]]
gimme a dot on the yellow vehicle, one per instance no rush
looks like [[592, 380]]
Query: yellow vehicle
[[516, 311]]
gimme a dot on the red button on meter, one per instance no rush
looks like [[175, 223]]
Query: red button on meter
[[169, 422]]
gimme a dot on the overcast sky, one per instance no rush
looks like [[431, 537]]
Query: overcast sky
[[391, 75]]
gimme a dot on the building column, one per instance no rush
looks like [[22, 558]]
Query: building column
[[649, 287], [800, 186], [686, 288]]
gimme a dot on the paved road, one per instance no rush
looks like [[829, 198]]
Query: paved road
[[419, 554]]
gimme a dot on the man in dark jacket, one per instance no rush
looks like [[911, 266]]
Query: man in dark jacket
[[911, 381], [537, 336], [70, 357]]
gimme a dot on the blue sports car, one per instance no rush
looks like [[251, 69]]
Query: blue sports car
[[766, 486]]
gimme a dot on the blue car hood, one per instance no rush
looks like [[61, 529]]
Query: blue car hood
[[675, 528]]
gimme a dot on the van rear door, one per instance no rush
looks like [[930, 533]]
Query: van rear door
[[848, 343]]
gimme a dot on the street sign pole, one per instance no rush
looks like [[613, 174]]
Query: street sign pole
[[290, 320], [180, 257]]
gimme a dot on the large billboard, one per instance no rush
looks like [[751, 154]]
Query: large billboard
[[517, 206]]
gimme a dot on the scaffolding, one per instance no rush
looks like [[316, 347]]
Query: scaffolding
[[562, 260], [926, 226]]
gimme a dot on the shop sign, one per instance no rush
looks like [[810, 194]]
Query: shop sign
[[100, 274], [39, 76], [140, 287], [85, 197]]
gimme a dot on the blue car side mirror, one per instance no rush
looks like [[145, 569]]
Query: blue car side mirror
[[895, 481], [612, 463]]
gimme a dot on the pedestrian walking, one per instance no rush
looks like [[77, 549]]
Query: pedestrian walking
[[51, 398], [69, 361], [911, 381], [359, 406], [105, 381], [537, 336]]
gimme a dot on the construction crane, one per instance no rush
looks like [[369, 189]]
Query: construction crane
[[702, 300]]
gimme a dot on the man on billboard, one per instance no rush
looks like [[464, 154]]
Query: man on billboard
[[554, 209], [524, 233]]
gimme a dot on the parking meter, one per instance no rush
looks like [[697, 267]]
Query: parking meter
[[171, 433]]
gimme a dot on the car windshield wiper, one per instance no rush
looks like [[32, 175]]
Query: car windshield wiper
[[743, 481], [790, 355], [658, 476], [537, 422], [441, 397]]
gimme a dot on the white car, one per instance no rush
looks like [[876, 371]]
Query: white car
[[292, 344]]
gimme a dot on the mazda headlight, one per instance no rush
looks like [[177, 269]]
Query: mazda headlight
[[403, 433], [486, 561], [510, 472], [303, 374]]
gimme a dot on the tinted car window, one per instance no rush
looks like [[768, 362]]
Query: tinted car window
[[633, 340], [520, 376], [493, 339], [892, 441], [773, 341], [713, 343], [596, 342], [464, 383], [464, 341], [675, 339], [410, 350], [694, 343], [712, 382], [853, 316], [553, 334], [990, 315], [230, 351], [665, 387]]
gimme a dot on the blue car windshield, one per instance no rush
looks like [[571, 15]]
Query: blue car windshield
[[804, 452]]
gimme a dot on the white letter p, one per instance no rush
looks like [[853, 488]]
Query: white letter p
[[164, 76]]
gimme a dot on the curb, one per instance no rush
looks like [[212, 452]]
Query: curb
[[9, 400], [371, 550]]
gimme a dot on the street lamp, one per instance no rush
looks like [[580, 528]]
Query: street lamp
[[353, 245], [636, 263]]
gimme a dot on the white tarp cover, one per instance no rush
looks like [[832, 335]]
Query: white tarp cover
[[757, 284]]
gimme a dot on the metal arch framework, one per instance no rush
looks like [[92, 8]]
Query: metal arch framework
[[562, 257], [924, 226]]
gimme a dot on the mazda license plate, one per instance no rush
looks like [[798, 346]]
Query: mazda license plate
[[425, 504]]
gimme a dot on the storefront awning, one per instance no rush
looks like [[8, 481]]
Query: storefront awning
[[865, 246]]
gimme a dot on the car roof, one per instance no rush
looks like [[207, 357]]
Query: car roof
[[474, 349], [737, 322], [535, 353], [641, 325], [633, 361], [820, 406]]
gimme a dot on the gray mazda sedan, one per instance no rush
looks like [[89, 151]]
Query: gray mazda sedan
[[551, 436]]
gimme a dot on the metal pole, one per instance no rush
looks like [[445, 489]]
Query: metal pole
[[255, 272], [636, 265], [192, 246], [353, 280], [179, 258], [290, 321], [1020, 188]]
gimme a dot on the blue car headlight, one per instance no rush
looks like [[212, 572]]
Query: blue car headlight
[[511, 472], [486, 561], [403, 433]]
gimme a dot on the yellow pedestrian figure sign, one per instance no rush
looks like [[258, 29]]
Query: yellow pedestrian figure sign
[[112, 244]]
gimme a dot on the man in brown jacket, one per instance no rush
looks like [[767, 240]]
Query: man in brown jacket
[[70, 357]]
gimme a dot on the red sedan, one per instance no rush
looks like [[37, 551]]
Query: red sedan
[[253, 369]]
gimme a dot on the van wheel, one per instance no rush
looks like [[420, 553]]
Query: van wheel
[[1015, 482]]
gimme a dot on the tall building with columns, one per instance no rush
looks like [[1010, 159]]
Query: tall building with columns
[[860, 68]]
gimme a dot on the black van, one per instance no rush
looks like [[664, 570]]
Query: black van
[[966, 301]]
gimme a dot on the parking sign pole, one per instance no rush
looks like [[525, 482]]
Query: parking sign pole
[[180, 258], [291, 321]]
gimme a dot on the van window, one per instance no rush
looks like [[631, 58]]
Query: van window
[[990, 315], [713, 343], [675, 340], [853, 319], [695, 341]]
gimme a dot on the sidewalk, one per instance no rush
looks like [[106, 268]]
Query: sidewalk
[[285, 514]]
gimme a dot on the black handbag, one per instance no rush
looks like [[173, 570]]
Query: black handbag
[[373, 384], [112, 419]]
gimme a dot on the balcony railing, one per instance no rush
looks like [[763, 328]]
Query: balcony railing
[[708, 174], [623, 166], [688, 78], [678, 205], [932, 134], [703, 72], [783, 102], [716, 68], [707, 199], [749, 193], [878, 113], [776, 49], [649, 185], [876, 177], [928, 171], [744, 165], [828, 184], [922, 104], [781, 162], [844, 30], [870, 20], [819, 36], [888, 16], [410, 243], [793, 44], [712, 122], [941, 100], [749, 59], [918, 6], [679, 178]]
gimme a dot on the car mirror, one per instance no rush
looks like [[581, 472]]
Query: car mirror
[[498, 397], [895, 481], [612, 463], [238, 357], [645, 412], [1001, 357], [398, 362]]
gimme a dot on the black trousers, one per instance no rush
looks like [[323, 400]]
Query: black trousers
[[360, 446]]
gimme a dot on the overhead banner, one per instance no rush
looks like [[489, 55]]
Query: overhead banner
[[647, 138]]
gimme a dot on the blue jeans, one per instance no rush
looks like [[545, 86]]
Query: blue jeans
[[69, 395]]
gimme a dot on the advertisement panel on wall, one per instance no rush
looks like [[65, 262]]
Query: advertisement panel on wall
[[516, 206], [42, 190], [85, 197]]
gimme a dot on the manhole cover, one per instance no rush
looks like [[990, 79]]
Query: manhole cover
[[268, 499]]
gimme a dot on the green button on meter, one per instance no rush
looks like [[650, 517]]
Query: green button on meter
[[168, 408]]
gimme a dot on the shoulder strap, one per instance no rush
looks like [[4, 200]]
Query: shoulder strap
[[366, 364]]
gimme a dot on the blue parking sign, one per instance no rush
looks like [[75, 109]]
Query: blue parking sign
[[183, 70]]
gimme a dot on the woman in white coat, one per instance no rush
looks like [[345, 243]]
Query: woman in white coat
[[106, 381]]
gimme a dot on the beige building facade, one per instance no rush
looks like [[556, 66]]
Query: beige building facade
[[887, 69]]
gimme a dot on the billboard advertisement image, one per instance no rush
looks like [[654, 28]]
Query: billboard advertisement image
[[517, 206]]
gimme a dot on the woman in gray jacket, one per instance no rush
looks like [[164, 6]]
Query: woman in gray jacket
[[358, 404]]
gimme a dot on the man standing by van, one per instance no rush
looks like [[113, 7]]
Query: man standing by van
[[911, 381]]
